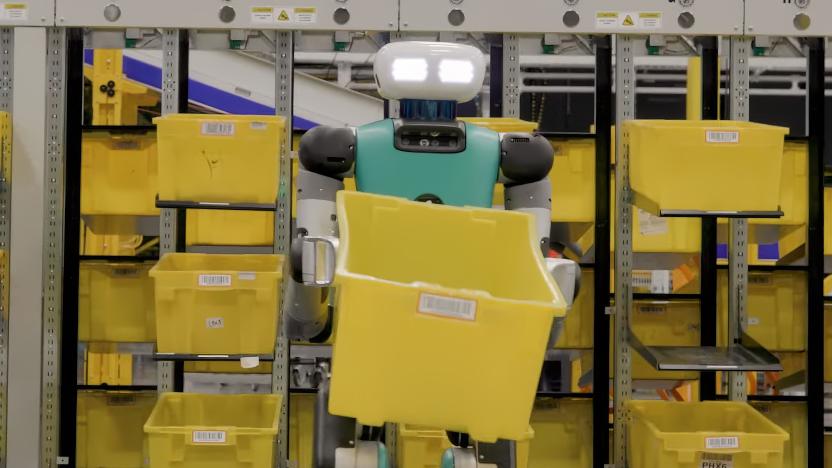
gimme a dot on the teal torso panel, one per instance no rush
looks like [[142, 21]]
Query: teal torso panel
[[466, 178]]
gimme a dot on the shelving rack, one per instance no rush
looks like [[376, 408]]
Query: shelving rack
[[771, 17]]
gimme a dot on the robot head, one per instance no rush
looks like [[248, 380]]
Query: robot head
[[429, 70]]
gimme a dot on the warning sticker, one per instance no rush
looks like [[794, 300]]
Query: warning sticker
[[296, 15], [262, 15], [628, 20], [716, 460], [15, 11], [651, 225], [448, 307]]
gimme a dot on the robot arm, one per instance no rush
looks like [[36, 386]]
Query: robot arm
[[327, 155]]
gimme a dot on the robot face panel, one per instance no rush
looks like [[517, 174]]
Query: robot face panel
[[429, 70]]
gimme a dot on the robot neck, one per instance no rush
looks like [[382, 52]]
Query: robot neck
[[425, 109]]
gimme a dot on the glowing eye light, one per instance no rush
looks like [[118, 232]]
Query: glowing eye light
[[456, 71], [410, 69]]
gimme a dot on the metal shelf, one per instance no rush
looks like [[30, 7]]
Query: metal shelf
[[118, 388], [210, 357], [748, 356], [215, 205], [144, 225], [719, 214]]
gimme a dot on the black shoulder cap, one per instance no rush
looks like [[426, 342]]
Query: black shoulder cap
[[525, 158], [328, 151]]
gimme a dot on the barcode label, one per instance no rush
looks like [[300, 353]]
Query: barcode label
[[246, 276], [121, 400], [126, 145], [448, 307], [652, 308], [218, 128], [209, 437], [215, 280], [763, 280], [722, 137], [722, 442], [716, 460], [125, 272], [259, 125], [214, 322]]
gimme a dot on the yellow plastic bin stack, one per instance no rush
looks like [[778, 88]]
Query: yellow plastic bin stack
[[487, 317], [119, 173], [422, 447], [563, 434], [776, 309], [712, 166], [187, 430], [792, 418], [685, 435], [301, 429], [109, 428], [115, 302], [217, 304]]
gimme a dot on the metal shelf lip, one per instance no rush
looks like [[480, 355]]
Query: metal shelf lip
[[769, 268], [118, 258], [216, 205], [124, 129], [719, 214], [576, 135], [562, 395], [748, 356], [118, 388], [209, 357]]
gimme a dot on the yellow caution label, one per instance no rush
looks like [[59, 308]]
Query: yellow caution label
[[15, 6], [628, 21], [307, 10], [283, 16], [261, 9]]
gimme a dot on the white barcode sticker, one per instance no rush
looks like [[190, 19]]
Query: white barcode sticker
[[722, 442], [448, 307], [218, 128], [259, 125], [650, 225], [713, 136], [753, 321], [214, 322], [246, 276], [716, 460], [215, 280], [209, 437], [661, 282]]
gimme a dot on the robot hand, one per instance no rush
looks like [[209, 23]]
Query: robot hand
[[313, 269], [313, 260]]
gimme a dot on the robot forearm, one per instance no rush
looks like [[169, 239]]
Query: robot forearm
[[534, 198]]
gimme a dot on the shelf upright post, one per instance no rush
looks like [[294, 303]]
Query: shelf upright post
[[6, 94], [174, 87], [601, 301], [511, 75], [53, 246], [816, 103], [738, 240], [625, 109], [284, 75]]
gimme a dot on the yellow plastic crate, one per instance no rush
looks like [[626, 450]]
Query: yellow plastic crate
[[219, 158], [682, 435], [189, 430], [119, 173], [217, 304], [563, 434], [422, 447], [794, 186], [229, 227], [502, 124], [657, 323], [577, 326], [705, 165], [573, 181], [827, 453], [109, 244], [495, 310], [302, 429], [827, 221], [115, 302], [792, 418], [827, 347], [776, 309], [109, 428]]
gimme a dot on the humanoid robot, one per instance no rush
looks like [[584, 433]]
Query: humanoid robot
[[426, 155]]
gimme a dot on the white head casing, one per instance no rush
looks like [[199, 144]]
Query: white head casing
[[429, 70]]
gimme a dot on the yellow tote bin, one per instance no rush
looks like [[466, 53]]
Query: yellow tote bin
[[189, 430], [217, 304], [792, 418], [485, 312], [705, 165], [827, 347], [573, 181], [119, 173], [776, 309], [794, 187], [421, 447], [230, 227], [563, 434], [578, 325], [686, 435], [115, 302], [109, 428], [301, 429], [219, 158]]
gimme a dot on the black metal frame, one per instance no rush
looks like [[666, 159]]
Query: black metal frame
[[601, 302], [816, 100]]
